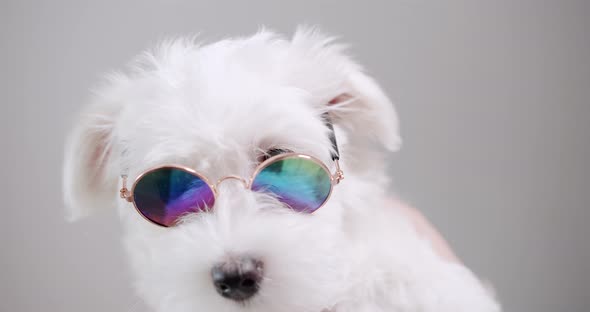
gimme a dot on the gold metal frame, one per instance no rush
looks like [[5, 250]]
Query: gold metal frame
[[335, 178]]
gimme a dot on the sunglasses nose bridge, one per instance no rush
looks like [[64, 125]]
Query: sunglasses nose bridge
[[231, 177]]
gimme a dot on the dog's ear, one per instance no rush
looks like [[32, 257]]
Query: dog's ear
[[89, 182], [355, 101], [365, 110]]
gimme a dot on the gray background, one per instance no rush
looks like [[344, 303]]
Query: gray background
[[492, 97]]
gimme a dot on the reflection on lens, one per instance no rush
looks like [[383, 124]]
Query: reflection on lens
[[298, 181], [165, 194]]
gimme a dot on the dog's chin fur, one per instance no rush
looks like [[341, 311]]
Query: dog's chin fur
[[217, 108]]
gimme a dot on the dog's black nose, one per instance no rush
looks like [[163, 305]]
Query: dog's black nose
[[238, 279]]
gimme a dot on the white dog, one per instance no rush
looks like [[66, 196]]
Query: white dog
[[256, 114]]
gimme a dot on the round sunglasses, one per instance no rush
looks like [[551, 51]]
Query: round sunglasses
[[164, 194]]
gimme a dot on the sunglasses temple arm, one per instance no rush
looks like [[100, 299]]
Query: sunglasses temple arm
[[334, 153], [339, 175], [124, 192]]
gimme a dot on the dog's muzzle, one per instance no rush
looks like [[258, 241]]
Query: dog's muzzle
[[238, 279]]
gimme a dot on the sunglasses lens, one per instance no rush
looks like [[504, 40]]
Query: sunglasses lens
[[165, 194], [297, 181]]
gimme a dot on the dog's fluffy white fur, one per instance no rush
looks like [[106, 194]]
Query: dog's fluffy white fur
[[216, 108]]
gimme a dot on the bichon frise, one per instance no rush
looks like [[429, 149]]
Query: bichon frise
[[249, 176]]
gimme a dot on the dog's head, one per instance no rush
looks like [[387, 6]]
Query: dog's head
[[220, 110]]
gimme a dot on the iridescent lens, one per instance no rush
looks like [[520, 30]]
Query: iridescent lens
[[165, 194], [298, 181]]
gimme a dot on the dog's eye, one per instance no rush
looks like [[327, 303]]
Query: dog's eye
[[272, 152]]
